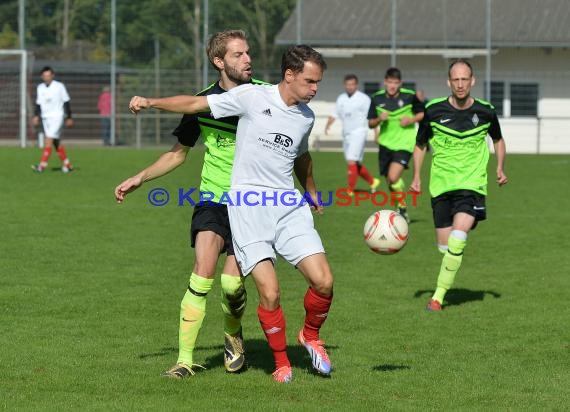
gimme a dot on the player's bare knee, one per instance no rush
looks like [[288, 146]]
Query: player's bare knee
[[204, 269], [269, 300], [323, 284]]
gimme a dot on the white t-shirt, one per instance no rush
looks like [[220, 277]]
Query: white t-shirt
[[352, 111], [51, 98], [270, 135]]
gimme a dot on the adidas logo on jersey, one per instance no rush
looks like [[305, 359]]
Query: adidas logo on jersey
[[267, 112]]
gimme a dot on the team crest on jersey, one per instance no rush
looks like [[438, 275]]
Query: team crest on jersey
[[475, 119], [400, 103]]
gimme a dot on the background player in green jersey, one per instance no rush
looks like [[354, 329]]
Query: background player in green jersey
[[396, 110], [228, 52], [457, 127]]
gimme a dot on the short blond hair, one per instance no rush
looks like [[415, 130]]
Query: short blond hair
[[217, 45]]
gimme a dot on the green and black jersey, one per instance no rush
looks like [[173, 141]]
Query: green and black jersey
[[404, 104], [458, 139], [219, 137]]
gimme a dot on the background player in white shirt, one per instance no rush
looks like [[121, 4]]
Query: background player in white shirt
[[272, 142], [52, 106], [352, 109]]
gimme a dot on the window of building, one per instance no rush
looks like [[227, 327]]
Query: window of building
[[371, 87], [524, 99], [497, 96]]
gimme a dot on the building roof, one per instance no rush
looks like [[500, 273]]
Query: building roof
[[429, 23]]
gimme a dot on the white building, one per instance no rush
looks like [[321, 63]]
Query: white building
[[528, 56]]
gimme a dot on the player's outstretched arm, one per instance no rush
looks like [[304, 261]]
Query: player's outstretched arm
[[419, 154], [176, 104], [164, 164], [500, 152], [304, 172]]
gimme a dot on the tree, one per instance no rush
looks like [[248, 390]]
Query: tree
[[261, 19], [8, 38]]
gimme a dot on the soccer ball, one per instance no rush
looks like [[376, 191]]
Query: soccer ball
[[386, 232]]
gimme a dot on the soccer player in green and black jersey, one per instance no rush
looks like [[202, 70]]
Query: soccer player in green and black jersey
[[457, 127], [396, 110], [228, 52]]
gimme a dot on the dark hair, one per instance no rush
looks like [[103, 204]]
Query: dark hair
[[459, 61], [217, 44], [46, 69], [393, 73], [351, 77], [295, 57]]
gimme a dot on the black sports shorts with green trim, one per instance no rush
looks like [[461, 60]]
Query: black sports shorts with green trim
[[212, 217], [446, 205], [387, 156]]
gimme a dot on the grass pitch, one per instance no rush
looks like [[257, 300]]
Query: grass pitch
[[90, 293]]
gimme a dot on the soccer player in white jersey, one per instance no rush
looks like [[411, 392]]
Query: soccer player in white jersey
[[352, 109], [52, 106], [272, 142]]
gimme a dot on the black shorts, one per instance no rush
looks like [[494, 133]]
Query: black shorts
[[212, 217], [387, 156], [446, 205]]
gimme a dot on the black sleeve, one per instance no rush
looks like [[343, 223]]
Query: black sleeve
[[188, 131], [424, 133], [67, 110], [495, 128], [372, 110], [38, 110], [417, 105]]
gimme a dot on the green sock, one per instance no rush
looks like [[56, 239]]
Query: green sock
[[450, 264], [234, 300], [192, 313], [399, 186]]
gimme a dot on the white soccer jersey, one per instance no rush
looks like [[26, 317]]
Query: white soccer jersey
[[270, 134], [51, 98], [352, 111]]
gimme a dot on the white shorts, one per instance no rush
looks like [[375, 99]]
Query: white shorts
[[353, 144], [261, 230], [52, 126]]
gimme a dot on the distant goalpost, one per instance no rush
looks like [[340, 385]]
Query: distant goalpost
[[22, 90]]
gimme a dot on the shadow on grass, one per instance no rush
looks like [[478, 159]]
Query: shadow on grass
[[390, 368], [161, 352], [456, 297], [258, 355]]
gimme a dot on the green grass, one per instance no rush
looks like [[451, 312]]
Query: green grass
[[90, 293]]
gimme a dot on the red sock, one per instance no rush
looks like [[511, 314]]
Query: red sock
[[363, 173], [273, 325], [316, 311], [352, 176], [62, 155], [45, 155]]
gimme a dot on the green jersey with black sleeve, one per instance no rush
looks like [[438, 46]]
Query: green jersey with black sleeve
[[458, 139], [219, 136], [405, 104]]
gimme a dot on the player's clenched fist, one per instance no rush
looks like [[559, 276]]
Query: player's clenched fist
[[138, 103]]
